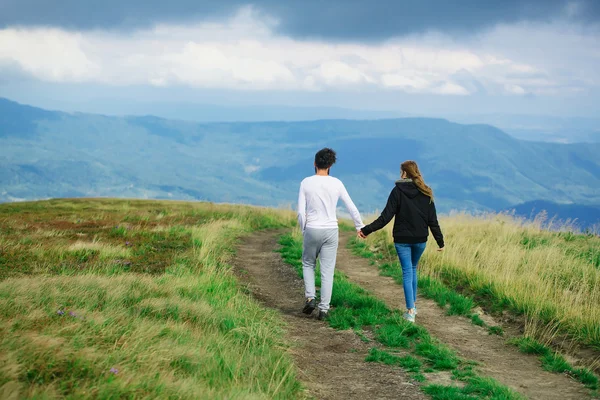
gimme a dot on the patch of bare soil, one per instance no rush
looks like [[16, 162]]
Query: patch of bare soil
[[330, 363], [497, 359]]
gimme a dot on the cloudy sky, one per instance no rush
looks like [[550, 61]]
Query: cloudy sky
[[426, 56]]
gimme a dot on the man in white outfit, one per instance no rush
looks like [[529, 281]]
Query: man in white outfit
[[317, 203]]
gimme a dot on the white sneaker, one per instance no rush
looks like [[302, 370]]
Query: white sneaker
[[409, 315]]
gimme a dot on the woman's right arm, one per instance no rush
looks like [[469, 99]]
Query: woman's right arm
[[386, 215]]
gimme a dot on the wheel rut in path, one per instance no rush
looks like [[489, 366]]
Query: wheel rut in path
[[498, 360], [330, 363]]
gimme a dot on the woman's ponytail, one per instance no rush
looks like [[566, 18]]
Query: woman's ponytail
[[412, 171]]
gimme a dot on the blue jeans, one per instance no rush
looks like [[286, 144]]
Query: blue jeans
[[409, 255]]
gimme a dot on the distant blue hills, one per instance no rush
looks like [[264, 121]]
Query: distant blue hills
[[471, 167], [556, 215]]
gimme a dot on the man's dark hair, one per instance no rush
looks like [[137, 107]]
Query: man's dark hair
[[325, 158]]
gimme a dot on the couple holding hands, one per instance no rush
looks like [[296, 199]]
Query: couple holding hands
[[411, 202]]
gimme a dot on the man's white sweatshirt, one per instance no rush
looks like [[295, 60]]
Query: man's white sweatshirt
[[317, 203]]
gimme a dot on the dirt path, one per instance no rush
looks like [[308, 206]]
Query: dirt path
[[331, 363], [498, 360]]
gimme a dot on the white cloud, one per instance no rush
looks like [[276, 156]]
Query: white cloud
[[48, 54], [337, 72], [451, 88], [208, 65], [403, 81], [514, 89], [244, 53]]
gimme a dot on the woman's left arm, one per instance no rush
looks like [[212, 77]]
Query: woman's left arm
[[435, 226]]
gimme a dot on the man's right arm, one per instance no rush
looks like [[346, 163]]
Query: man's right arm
[[351, 207], [302, 208]]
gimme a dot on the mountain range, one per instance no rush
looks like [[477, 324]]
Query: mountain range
[[556, 215], [471, 167]]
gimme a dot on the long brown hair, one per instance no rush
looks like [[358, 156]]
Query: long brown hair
[[412, 171]]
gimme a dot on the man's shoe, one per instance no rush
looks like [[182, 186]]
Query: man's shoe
[[323, 315], [310, 306]]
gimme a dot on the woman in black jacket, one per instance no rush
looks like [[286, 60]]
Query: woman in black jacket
[[411, 202]]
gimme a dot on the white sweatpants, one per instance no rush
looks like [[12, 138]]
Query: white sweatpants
[[322, 244]]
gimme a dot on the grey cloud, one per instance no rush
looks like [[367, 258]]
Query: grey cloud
[[336, 19]]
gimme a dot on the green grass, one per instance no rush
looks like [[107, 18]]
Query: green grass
[[134, 299], [409, 363], [554, 362], [476, 320], [355, 308], [438, 356], [531, 241], [495, 330], [393, 335], [475, 388]]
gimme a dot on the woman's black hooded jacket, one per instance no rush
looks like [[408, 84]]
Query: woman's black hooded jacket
[[415, 215]]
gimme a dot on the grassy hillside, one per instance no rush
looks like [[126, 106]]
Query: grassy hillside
[[130, 298], [48, 154], [134, 299], [552, 278]]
